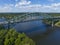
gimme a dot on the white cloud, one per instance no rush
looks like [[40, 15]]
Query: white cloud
[[54, 7], [39, 7], [30, 6], [6, 8], [56, 4], [23, 2]]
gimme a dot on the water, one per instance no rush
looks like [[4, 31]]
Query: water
[[41, 33]]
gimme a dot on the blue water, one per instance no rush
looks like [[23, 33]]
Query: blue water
[[40, 32], [32, 26]]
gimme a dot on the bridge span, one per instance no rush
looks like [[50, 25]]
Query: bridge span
[[28, 20]]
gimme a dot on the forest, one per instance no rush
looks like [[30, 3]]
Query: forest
[[12, 37]]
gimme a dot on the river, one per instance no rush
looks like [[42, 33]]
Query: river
[[40, 32]]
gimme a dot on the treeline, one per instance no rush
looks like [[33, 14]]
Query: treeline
[[11, 15], [11, 37]]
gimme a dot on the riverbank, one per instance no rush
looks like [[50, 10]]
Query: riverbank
[[47, 22], [57, 24]]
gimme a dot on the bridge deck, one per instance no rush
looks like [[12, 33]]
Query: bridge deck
[[26, 20]]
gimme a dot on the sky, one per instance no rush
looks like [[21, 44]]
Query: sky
[[29, 5]]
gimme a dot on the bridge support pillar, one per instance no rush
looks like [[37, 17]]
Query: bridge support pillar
[[52, 23]]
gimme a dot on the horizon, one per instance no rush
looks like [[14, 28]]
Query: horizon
[[29, 12]]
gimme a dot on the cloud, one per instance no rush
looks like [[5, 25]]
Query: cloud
[[39, 7], [53, 6], [28, 7], [56, 4], [23, 2], [6, 8]]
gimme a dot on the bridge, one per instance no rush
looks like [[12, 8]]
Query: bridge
[[27, 18]]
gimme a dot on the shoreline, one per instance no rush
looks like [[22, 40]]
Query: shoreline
[[55, 25]]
